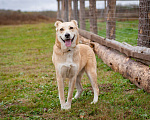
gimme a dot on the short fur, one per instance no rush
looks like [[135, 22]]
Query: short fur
[[71, 62]]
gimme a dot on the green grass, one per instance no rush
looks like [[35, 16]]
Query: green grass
[[28, 87], [126, 31]]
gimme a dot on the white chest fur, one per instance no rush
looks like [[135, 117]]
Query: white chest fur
[[67, 68], [69, 57]]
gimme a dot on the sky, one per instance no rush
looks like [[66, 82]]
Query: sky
[[44, 5], [29, 5]]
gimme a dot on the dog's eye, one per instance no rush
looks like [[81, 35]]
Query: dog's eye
[[61, 29], [71, 27]]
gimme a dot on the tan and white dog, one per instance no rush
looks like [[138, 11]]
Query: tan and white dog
[[71, 60]]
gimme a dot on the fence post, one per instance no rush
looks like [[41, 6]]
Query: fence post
[[105, 10], [82, 14], [111, 20], [66, 10], [62, 9], [144, 24], [75, 5], [70, 9], [58, 11], [93, 16]]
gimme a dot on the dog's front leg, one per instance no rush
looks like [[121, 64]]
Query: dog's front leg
[[70, 92], [60, 83]]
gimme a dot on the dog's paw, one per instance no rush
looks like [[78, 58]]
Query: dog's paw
[[78, 94], [94, 102], [66, 106]]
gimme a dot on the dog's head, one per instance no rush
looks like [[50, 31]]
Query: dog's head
[[66, 34]]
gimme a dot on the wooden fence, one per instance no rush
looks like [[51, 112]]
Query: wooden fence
[[67, 13], [138, 73]]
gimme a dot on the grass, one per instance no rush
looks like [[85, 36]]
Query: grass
[[126, 31], [28, 87]]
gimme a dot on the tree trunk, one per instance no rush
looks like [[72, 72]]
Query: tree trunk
[[144, 24], [76, 16], [93, 16], [137, 73], [82, 14], [111, 20]]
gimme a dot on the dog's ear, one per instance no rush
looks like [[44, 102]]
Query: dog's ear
[[75, 22], [57, 23]]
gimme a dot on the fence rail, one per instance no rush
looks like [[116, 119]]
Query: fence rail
[[141, 53]]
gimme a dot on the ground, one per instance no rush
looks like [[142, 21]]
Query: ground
[[28, 87]]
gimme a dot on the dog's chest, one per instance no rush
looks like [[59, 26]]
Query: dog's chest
[[68, 68], [69, 58]]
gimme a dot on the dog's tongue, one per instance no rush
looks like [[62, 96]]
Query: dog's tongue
[[68, 43]]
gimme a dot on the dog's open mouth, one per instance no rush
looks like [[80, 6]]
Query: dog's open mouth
[[68, 41]]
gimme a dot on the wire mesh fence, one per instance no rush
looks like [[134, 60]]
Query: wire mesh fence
[[126, 18], [122, 20]]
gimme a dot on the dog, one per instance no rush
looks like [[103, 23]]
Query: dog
[[71, 60]]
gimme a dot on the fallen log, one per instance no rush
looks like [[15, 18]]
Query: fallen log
[[136, 72]]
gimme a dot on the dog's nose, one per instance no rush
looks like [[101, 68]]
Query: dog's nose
[[67, 35]]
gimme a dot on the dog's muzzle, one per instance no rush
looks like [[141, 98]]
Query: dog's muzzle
[[68, 41]]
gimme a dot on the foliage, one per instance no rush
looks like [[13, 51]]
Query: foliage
[[28, 87], [9, 17]]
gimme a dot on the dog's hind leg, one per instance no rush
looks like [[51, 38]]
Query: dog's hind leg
[[92, 75], [78, 84]]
